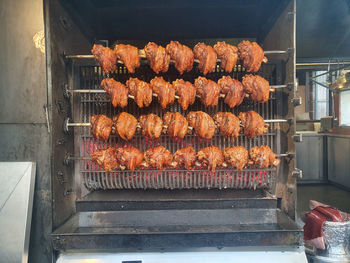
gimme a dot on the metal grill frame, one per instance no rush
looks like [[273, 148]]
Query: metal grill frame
[[89, 76]]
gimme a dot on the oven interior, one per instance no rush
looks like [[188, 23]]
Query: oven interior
[[94, 209]]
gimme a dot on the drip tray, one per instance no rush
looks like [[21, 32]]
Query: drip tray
[[161, 229]]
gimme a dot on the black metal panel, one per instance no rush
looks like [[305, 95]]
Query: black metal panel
[[179, 229], [174, 199]]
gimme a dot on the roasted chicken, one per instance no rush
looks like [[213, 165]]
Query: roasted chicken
[[186, 92], [257, 87], [233, 90], [263, 156], [211, 156], [106, 159], [253, 124], [177, 124], [228, 124], [106, 57], [129, 55], [228, 55], [126, 125], [237, 157], [206, 56], [117, 91], [185, 157], [151, 125], [208, 91], [158, 157], [129, 157], [164, 90], [101, 126], [182, 56], [252, 55], [159, 59], [141, 91], [202, 123]]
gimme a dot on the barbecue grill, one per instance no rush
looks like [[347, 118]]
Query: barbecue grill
[[172, 208]]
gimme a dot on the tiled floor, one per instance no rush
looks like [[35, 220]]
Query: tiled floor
[[324, 193]]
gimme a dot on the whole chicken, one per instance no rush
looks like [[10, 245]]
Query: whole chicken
[[101, 126], [211, 156], [159, 59], [129, 55], [233, 90], [185, 157], [182, 56], [206, 56], [106, 159], [117, 91], [257, 87], [228, 55], [208, 91], [151, 125], [158, 157], [164, 90], [177, 124], [228, 124], [141, 91], [252, 55], [237, 156], [126, 125], [186, 92], [202, 123], [263, 156], [106, 57], [129, 157]]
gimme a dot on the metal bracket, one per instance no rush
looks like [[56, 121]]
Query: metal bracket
[[290, 15], [66, 93], [297, 173], [290, 51], [291, 86], [297, 101], [297, 137], [66, 159], [65, 125]]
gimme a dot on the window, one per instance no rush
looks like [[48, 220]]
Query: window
[[321, 96], [344, 98]]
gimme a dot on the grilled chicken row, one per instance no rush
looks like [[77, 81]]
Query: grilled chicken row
[[207, 90], [159, 157], [250, 53], [177, 125]]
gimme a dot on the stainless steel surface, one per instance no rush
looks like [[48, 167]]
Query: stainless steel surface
[[338, 160], [311, 158], [16, 203]]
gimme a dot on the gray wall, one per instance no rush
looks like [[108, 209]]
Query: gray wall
[[23, 132]]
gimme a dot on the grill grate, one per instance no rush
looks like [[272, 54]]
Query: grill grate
[[90, 77]]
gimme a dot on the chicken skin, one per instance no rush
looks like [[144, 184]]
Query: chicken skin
[[129, 157], [237, 157], [228, 55], [252, 55], [151, 125], [129, 55], [106, 57], [106, 159], [177, 124], [253, 124], [233, 90], [211, 156], [164, 90], [158, 157], [185, 157], [159, 59], [208, 91], [186, 92], [117, 91], [263, 156], [101, 126], [141, 91], [228, 124], [182, 56], [206, 56], [202, 123], [126, 125], [257, 87]]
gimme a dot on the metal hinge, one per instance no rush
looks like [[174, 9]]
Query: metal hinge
[[297, 101], [297, 173]]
